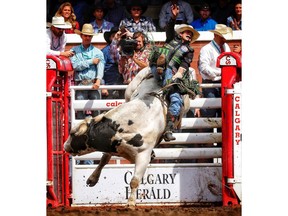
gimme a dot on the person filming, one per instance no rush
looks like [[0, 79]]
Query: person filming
[[131, 51]]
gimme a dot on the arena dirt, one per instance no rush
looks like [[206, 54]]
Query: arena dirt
[[149, 211]]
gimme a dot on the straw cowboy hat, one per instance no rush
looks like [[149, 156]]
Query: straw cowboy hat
[[107, 34], [87, 29], [58, 22], [223, 31], [185, 27]]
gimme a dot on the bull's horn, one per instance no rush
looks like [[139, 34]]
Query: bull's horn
[[82, 129], [99, 117]]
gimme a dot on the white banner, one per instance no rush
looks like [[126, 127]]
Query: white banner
[[160, 185]]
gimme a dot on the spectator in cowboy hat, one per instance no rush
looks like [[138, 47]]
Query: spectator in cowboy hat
[[209, 72], [174, 63], [56, 37], [100, 25], [88, 63], [137, 22], [111, 72], [204, 22]]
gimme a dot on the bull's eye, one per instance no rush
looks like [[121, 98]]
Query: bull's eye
[[78, 143]]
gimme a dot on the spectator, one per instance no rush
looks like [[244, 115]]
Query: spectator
[[66, 10], [88, 63], [179, 55], [237, 48], [111, 72], [100, 25], [137, 22], [185, 13], [56, 37], [131, 64], [207, 65], [204, 22], [221, 11], [235, 20], [115, 12]]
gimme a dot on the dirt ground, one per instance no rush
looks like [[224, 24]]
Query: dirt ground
[[151, 211]]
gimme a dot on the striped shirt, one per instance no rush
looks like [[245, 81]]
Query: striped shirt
[[55, 44]]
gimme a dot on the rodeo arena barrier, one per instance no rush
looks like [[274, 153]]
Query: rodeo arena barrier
[[198, 167]]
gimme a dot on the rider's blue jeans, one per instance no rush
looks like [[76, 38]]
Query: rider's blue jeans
[[176, 101]]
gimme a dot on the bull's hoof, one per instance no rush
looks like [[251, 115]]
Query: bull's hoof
[[91, 182], [131, 205]]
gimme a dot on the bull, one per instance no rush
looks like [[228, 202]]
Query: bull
[[130, 130]]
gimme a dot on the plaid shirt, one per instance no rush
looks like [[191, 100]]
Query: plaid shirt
[[144, 25], [106, 26], [129, 69]]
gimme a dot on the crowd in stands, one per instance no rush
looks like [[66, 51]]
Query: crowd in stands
[[226, 12], [124, 24]]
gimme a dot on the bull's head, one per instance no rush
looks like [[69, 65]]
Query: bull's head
[[76, 143]]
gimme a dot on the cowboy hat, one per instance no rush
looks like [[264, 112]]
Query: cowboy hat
[[223, 31], [100, 6], [185, 27], [204, 6], [58, 22], [87, 29], [107, 34], [136, 3]]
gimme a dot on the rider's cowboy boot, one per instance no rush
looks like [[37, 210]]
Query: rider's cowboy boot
[[169, 128], [160, 64]]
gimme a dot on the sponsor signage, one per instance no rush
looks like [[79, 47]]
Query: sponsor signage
[[160, 185]]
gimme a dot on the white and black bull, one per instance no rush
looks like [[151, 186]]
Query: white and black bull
[[130, 130]]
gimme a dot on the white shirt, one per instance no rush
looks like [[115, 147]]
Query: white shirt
[[55, 45], [207, 61]]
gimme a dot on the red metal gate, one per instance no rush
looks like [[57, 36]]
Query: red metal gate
[[57, 102], [231, 65]]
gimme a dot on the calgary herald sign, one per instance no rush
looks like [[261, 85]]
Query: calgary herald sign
[[160, 185]]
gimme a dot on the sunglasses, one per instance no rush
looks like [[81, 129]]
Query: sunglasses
[[136, 9]]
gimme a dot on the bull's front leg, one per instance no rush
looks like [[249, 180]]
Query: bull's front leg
[[94, 177], [141, 164]]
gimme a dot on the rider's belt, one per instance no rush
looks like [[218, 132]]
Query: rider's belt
[[85, 82]]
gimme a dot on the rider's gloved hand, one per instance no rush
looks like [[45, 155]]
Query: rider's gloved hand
[[177, 75]]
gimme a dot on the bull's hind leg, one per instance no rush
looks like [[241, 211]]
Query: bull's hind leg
[[141, 163], [94, 177]]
